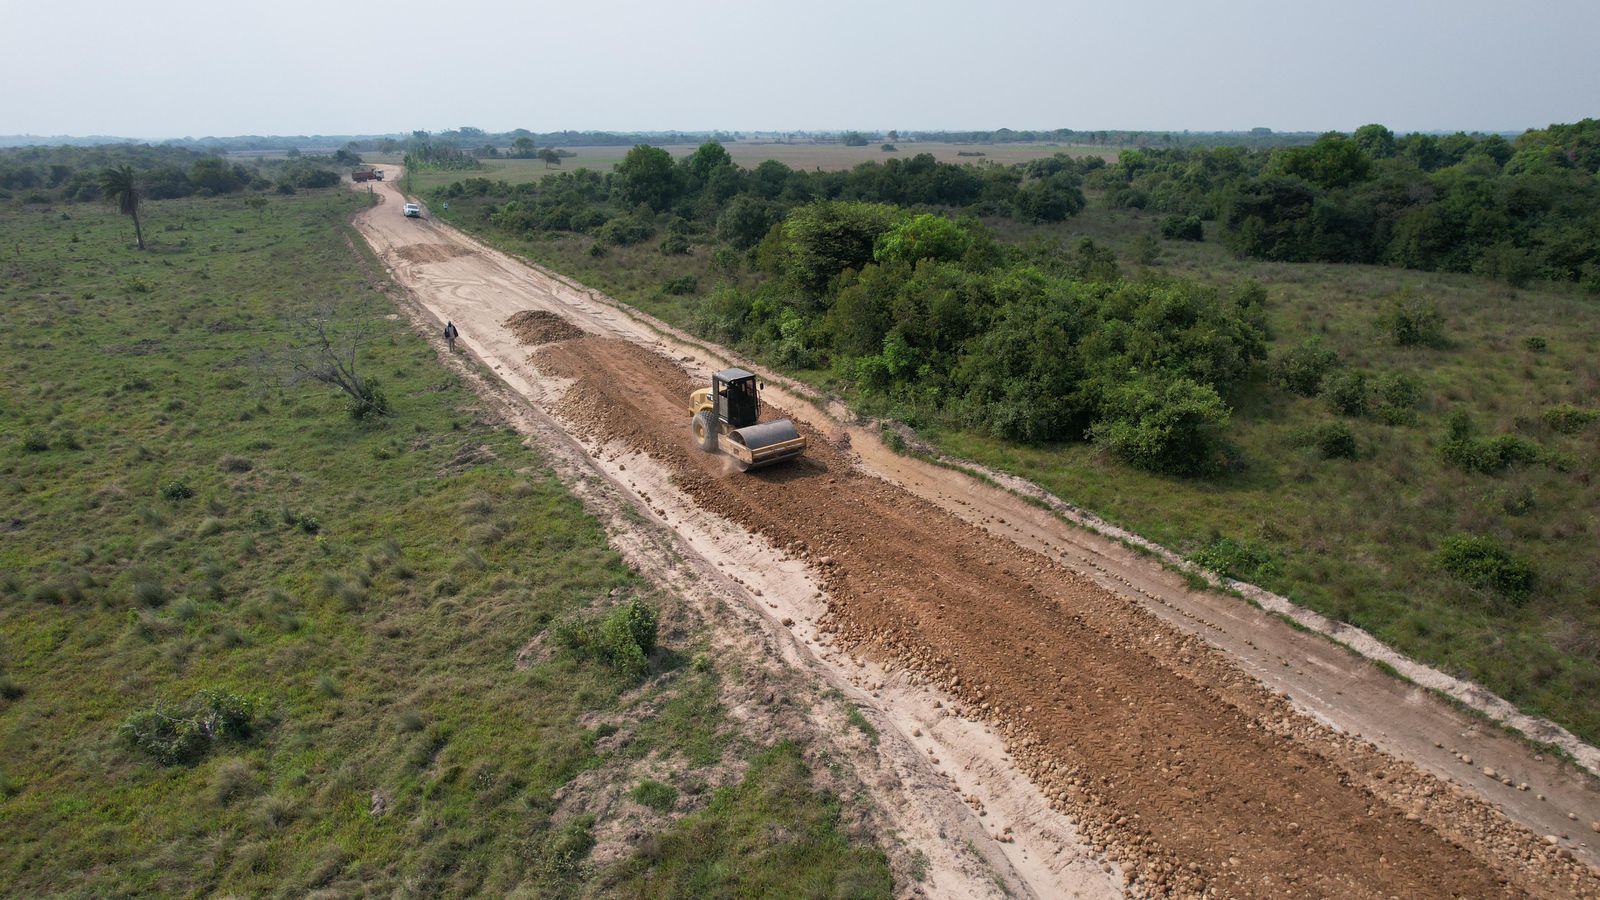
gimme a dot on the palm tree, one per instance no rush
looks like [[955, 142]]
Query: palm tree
[[121, 187]]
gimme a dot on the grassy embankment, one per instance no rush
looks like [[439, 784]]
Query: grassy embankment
[[1356, 539], [178, 520]]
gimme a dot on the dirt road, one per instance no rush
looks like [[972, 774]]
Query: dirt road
[[1165, 752]]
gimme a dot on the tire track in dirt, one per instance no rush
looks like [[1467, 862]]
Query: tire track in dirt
[[1173, 760]]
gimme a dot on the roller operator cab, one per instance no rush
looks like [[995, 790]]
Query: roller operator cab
[[725, 420]]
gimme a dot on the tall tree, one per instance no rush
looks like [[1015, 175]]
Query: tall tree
[[120, 185]]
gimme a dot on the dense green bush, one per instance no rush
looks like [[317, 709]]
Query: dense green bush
[[1332, 440], [825, 238], [1397, 396], [622, 640], [1463, 448], [1169, 427], [1481, 562], [1413, 320], [922, 237], [187, 732], [1182, 228], [1568, 419], [1347, 393], [1301, 370], [680, 286]]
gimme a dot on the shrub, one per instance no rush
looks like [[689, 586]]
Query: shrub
[[1301, 370], [1163, 427], [1535, 343], [183, 734], [622, 640], [177, 491], [368, 402], [1501, 451], [1413, 320], [35, 442], [235, 464], [1568, 419], [1347, 393], [1182, 228], [9, 689], [925, 236], [677, 287], [1236, 559], [1397, 396], [1481, 562], [659, 797], [674, 245], [1333, 440], [1485, 455], [624, 231]]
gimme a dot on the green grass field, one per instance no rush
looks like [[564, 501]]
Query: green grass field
[[178, 519], [1356, 539], [749, 154]]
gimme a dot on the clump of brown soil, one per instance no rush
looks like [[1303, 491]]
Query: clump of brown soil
[[430, 253], [535, 326]]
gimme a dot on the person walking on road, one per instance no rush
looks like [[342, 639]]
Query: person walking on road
[[450, 335]]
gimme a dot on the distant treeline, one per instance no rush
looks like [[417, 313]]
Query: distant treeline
[[472, 139], [72, 174], [1520, 209]]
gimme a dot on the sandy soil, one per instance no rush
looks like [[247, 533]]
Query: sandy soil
[[1151, 723]]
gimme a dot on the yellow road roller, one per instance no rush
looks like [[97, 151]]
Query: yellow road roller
[[724, 419]]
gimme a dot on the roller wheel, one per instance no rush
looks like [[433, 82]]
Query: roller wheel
[[705, 431]]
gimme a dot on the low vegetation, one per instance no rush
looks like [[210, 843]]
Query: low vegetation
[[251, 643]]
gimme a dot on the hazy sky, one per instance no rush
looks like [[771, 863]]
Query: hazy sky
[[173, 68]]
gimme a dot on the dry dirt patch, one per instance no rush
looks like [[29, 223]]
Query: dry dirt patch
[[431, 253], [535, 326]]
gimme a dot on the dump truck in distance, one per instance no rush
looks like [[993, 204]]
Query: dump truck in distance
[[367, 175]]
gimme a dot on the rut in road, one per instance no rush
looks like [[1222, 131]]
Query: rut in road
[[1163, 751]]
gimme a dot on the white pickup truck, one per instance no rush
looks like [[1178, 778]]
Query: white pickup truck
[[412, 211]]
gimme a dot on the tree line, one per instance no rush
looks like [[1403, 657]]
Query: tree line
[[1510, 209], [73, 174]]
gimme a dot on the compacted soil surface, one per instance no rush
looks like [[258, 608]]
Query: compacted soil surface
[[1171, 757]]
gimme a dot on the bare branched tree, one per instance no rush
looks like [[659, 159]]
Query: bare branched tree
[[328, 354]]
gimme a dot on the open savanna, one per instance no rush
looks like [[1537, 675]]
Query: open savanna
[[1358, 539], [179, 519], [749, 154]]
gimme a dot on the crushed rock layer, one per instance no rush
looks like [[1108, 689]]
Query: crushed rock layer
[[1173, 761]]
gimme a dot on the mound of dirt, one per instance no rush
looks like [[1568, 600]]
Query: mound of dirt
[[535, 326], [430, 253]]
